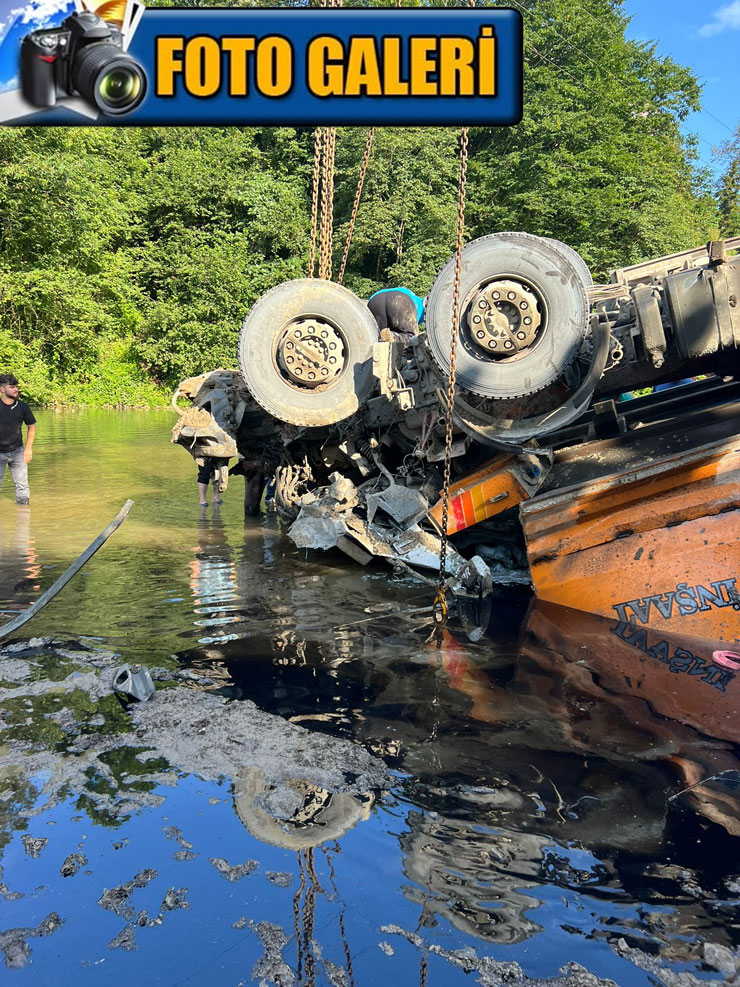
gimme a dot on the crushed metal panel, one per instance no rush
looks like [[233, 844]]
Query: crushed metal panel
[[208, 427], [316, 530], [406, 505], [353, 550], [421, 548]]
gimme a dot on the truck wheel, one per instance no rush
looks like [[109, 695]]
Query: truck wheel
[[524, 313], [305, 352]]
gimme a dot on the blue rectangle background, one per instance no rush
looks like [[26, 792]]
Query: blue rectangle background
[[302, 108]]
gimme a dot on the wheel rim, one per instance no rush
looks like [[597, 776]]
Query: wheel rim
[[311, 354], [506, 317]]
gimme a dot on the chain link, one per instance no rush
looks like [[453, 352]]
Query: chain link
[[356, 203], [439, 607]]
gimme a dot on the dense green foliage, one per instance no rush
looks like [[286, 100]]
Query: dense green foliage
[[129, 257]]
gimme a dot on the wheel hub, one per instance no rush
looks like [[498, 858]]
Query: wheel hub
[[311, 353], [504, 317]]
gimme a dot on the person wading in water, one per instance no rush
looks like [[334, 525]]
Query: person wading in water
[[15, 413]]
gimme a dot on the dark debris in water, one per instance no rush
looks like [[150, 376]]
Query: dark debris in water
[[233, 872], [493, 973], [271, 968], [175, 898], [72, 864], [281, 879], [14, 944], [33, 845], [116, 899]]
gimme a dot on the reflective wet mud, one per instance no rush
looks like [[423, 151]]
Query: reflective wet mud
[[317, 794]]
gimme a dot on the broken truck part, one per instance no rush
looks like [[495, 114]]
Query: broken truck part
[[351, 423]]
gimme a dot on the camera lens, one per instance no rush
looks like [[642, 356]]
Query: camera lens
[[110, 79], [119, 87]]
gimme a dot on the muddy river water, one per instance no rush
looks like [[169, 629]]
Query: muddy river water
[[317, 794]]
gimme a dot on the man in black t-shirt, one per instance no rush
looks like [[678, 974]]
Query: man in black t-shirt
[[13, 415]]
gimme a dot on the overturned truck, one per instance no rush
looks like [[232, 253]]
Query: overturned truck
[[556, 481]]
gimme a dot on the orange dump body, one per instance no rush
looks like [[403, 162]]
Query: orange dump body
[[655, 544]]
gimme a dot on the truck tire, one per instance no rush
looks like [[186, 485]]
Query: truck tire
[[313, 302], [549, 270], [578, 262]]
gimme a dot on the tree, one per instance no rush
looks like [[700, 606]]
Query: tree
[[599, 160], [728, 189]]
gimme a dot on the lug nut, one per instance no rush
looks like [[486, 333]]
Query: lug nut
[[527, 321], [521, 335], [508, 344], [476, 319], [480, 334]]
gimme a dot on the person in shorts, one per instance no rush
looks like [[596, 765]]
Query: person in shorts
[[210, 471], [14, 414]]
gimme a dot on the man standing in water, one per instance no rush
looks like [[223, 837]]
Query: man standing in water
[[13, 415]]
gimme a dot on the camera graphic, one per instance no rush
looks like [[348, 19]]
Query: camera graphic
[[83, 57]]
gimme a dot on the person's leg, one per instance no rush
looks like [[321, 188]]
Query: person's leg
[[19, 472], [3, 462], [205, 472], [254, 484]]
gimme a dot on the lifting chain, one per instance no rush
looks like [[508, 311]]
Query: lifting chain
[[322, 193], [318, 142], [356, 203], [439, 607], [326, 234]]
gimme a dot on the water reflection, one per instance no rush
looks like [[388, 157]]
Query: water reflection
[[213, 581], [533, 756], [20, 570]]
